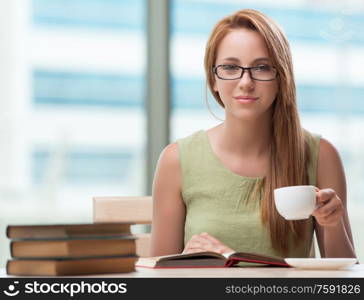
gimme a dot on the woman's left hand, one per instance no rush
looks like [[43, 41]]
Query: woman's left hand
[[204, 242], [329, 207]]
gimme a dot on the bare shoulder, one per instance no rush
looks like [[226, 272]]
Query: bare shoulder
[[169, 157], [170, 153], [168, 168], [328, 153]]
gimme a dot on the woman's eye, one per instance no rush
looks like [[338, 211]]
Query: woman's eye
[[263, 68], [230, 68]]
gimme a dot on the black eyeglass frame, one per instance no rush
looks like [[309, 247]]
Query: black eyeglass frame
[[214, 69]]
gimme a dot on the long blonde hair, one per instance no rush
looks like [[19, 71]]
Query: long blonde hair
[[289, 150]]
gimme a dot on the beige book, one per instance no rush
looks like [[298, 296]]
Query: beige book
[[73, 248], [63, 267], [67, 230]]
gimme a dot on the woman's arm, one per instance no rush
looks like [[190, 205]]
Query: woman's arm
[[168, 207], [332, 222]]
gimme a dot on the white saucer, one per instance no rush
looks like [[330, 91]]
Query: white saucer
[[321, 263]]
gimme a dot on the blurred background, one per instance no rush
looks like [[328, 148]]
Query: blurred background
[[74, 86]]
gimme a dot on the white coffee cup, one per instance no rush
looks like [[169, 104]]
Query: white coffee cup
[[295, 202]]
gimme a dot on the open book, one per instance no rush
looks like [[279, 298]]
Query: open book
[[208, 260]]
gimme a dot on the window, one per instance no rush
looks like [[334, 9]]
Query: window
[[74, 122]]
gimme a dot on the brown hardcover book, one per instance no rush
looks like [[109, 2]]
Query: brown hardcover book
[[208, 260], [67, 230], [106, 246], [64, 267]]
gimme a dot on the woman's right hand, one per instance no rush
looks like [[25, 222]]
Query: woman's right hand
[[204, 242]]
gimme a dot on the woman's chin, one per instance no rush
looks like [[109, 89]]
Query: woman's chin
[[247, 115]]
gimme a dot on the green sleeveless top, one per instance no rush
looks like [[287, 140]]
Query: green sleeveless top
[[216, 199]]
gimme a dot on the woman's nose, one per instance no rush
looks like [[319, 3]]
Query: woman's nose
[[246, 80]]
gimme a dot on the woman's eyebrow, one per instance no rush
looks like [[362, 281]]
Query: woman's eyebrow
[[233, 59], [236, 60], [261, 59]]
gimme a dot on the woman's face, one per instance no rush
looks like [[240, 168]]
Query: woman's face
[[245, 98]]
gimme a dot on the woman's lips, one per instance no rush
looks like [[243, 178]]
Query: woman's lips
[[246, 99]]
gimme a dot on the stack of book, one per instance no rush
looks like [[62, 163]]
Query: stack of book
[[71, 249]]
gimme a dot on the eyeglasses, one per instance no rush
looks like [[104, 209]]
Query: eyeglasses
[[262, 72]]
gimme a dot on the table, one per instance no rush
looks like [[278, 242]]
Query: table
[[356, 271]]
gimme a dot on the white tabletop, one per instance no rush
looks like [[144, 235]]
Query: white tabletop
[[256, 272]]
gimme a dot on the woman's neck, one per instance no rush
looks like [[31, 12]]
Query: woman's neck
[[249, 138]]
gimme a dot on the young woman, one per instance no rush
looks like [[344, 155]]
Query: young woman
[[213, 190]]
